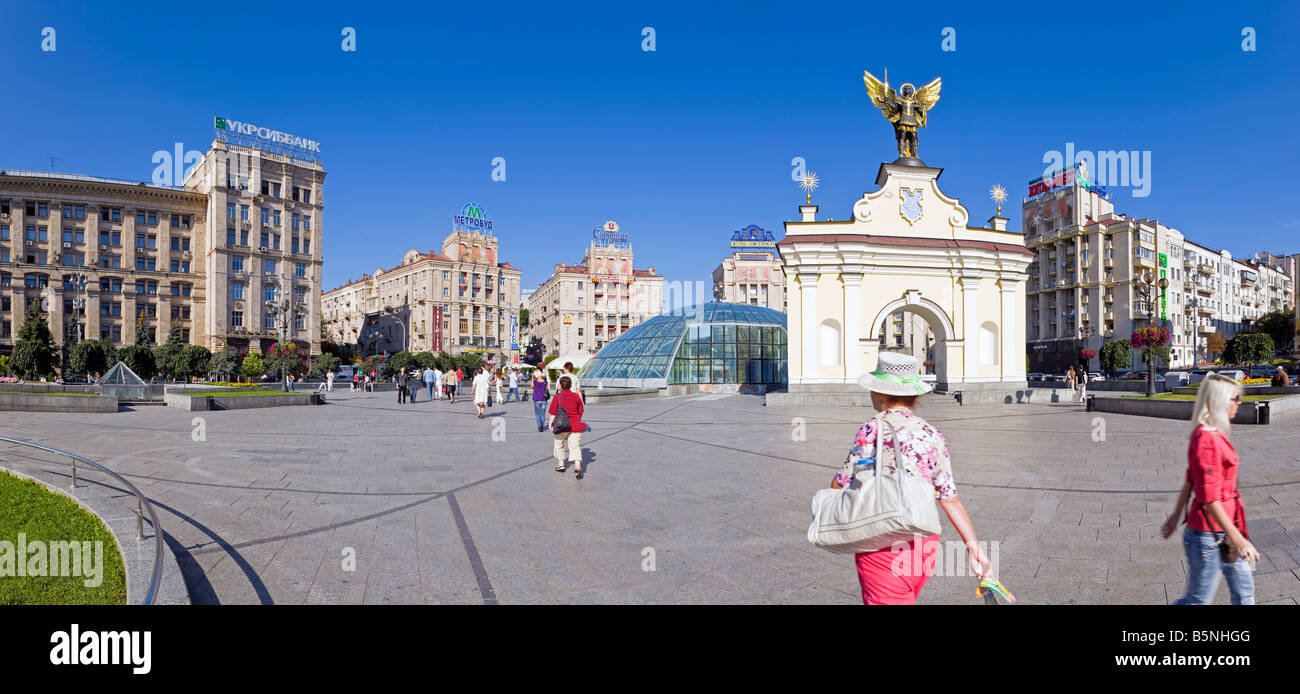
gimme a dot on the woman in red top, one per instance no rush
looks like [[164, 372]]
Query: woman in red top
[[1216, 510], [572, 404]]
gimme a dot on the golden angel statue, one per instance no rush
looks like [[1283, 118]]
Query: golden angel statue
[[905, 108]]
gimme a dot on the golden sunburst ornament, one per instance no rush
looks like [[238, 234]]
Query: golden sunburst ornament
[[809, 183], [999, 195]]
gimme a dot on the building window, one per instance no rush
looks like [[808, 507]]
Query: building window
[[110, 285], [268, 266], [110, 214], [236, 291], [268, 292], [74, 211], [300, 269], [146, 218], [230, 210], [180, 289], [236, 319], [181, 221], [243, 213], [269, 322]]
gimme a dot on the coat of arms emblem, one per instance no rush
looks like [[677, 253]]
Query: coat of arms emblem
[[910, 204]]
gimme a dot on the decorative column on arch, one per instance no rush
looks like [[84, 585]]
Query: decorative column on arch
[[852, 323], [1012, 334], [970, 308], [808, 315]]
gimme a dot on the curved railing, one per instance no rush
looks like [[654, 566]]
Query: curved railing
[[142, 506]]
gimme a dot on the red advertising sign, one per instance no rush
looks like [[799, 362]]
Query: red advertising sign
[[1046, 183], [437, 329]]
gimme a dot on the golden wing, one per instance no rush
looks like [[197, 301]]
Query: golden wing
[[927, 96], [879, 93]]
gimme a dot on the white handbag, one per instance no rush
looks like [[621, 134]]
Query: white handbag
[[878, 508]]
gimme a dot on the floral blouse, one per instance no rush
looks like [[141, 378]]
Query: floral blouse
[[925, 452]]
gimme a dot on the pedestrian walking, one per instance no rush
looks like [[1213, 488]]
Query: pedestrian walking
[[513, 392], [453, 378], [1070, 379], [413, 384], [1082, 392], [920, 451], [539, 397], [497, 377], [480, 388], [573, 377], [400, 379], [1216, 540], [439, 387], [330, 376], [570, 438], [428, 380], [324, 383]]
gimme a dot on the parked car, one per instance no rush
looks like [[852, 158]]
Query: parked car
[[1036, 376], [1134, 376], [1261, 371], [1235, 374], [1096, 376]]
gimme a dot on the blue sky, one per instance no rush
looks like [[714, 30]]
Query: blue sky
[[682, 145]]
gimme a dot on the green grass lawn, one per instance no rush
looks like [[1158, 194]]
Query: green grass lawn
[[1180, 396], [56, 392], [40, 514]]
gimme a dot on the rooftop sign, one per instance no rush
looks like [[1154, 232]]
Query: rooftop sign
[[256, 136], [752, 237], [608, 234], [471, 218]]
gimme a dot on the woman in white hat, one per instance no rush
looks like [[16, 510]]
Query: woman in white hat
[[891, 576]]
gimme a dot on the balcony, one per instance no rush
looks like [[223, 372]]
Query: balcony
[[1139, 261], [1205, 268], [1247, 278], [1110, 262], [1204, 289], [1206, 329]]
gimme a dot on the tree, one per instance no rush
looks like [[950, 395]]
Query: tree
[[1115, 355], [192, 361], [89, 358], [402, 361], [445, 362], [253, 366], [426, 360], [4, 364], [523, 318], [71, 337], [324, 363], [277, 364], [110, 353], [165, 354], [143, 335], [1248, 348], [139, 358], [469, 362], [1215, 343], [1279, 325], [224, 364], [34, 349]]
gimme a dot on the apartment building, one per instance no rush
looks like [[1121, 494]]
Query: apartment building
[[582, 307], [456, 299], [1097, 273]]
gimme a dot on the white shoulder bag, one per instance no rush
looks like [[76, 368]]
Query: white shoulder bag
[[878, 508]]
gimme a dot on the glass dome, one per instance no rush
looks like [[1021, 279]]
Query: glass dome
[[710, 343]]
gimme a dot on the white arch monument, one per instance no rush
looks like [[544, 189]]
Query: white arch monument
[[906, 247]]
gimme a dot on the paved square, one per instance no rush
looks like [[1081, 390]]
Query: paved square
[[716, 489]]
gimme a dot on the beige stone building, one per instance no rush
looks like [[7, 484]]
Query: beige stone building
[[138, 247], [243, 231], [582, 307], [456, 299], [751, 277], [262, 246]]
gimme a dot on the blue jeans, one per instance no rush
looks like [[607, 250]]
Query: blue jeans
[[1204, 566], [429, 385], [539, 411], [512, 393]]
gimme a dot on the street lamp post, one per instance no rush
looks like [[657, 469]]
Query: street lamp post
[[1085, 333], [284, 311], [1145, 291]]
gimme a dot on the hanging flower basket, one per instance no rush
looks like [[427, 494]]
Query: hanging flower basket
[[1087, 354], [1149, 336]]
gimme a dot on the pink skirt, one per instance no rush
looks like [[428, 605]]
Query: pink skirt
[[896, 575]]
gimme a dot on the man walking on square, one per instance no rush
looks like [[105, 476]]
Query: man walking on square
[[437, 381], [401, 386], [428, 380], [514, 386]]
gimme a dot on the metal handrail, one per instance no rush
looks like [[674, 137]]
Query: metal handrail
[[142, 505]]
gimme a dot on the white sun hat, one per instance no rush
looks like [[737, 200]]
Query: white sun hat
[[896, 374]]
